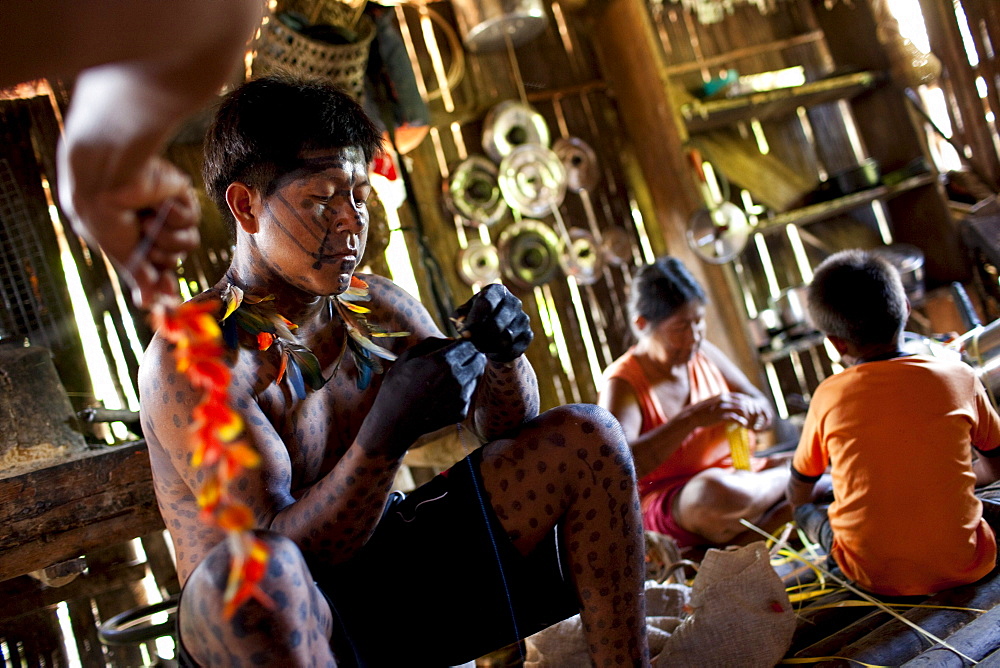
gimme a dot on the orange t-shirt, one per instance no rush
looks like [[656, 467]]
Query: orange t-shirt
[[896, 435], [705, 447]]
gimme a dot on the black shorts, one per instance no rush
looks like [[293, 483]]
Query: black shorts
[[427, 590]]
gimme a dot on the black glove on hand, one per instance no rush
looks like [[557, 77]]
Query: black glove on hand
[[430, 386], [495, 323]]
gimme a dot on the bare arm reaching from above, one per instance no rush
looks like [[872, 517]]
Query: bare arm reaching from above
[[139, 69]]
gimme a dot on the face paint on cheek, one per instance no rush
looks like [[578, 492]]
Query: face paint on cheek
[[363, 242], [324, 220], [343, 242], [293, 222]]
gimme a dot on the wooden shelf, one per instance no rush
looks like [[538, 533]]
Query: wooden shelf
[[824, 210], [701, 116], [800, 345], [729, 57]]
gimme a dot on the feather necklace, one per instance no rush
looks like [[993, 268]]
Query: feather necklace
[[259, 317]]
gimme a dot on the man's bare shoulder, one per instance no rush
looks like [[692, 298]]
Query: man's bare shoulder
[[396, 308], [158, 363], [383, 291]]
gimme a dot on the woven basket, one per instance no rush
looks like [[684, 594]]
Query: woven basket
[[281, 48], [342, 13]]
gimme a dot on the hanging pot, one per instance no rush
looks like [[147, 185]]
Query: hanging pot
[[909, 260], [532, 180], [473, 192], [765, 327], [511, 124], [792, 309], [479, 263], [580, 162], [529, 254], [582, 257], [485, 25]]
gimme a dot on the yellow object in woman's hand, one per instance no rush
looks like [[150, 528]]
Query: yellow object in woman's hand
[[739, 445]]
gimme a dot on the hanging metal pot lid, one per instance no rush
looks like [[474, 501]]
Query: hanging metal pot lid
[[532, 180], [580, 162], [473, 192], [511, 124], [529, 253], [616, 246], [479, 263], [491, 25], [719, 234], [582, 257]]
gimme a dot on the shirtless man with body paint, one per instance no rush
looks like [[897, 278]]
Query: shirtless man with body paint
[[360, 576]]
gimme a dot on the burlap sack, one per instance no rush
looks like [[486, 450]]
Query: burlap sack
[[740, 614], [563, 646]]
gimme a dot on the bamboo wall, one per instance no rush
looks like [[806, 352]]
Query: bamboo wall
[[609, 74]]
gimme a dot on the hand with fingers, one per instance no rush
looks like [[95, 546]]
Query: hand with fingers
[[736, 407], [144, 225], [430, 386], [495, 323]]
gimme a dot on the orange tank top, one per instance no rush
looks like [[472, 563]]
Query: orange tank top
[[705, 447]]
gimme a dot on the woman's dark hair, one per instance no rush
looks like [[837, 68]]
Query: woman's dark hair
[[858, 296], [261, 129], [660, 288]]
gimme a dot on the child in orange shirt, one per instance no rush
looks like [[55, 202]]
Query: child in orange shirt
[[897, 432]]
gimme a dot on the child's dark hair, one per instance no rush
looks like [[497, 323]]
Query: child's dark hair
[[858, 296], [262, 127], [660, 288]]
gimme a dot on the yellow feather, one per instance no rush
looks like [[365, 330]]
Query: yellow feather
[[233, 296], [356, 308]]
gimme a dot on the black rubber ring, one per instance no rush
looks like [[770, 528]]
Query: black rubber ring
[[123, 630]]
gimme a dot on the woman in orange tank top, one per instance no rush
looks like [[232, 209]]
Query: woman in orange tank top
[[675, 395]]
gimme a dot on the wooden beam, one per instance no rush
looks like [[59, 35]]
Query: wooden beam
[[975, 640], [24, 594], [62, 511], [959, 79], [725, 59], [894, 643], [665, 185]]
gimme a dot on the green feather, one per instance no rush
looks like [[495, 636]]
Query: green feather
[[307, 363]]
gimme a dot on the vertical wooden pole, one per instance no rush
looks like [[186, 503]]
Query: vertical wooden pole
[[633, 65], [959, 78]]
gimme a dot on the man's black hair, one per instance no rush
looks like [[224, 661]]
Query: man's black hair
[[262, 127]]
